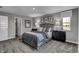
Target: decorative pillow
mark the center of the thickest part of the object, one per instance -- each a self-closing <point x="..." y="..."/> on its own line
<point x="49" y="34"/>
<point x="44" y="29"/>
<point x="50" y="29"/>
<point x="40" y="29"/>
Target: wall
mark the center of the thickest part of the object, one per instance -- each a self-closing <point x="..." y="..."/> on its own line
<point x="23" y="25"/>
<point x="34" y="21"/>
<point x="42" y="19"/>
<point x="78" y="29"/>
<point x="72" y="36"/>
<point x="57" y="17"/>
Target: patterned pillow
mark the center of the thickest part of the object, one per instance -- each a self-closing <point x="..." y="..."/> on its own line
<point x="44" y="29"/>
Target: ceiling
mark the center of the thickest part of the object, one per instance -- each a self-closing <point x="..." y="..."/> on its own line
<point x="34" y="11"/>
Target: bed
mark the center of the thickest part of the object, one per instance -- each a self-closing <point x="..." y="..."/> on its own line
<point x="35" y="39"/>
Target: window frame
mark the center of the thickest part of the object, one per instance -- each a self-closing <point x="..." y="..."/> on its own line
<point x="66" y="25"/>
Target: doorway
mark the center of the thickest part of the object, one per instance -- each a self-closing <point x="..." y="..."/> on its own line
<point x="16" y="27"/>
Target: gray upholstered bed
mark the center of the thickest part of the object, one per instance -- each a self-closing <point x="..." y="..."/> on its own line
<point x="40" y="37"/>
<point x="35" y="39"/>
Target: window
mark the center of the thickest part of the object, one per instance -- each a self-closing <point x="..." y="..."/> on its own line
<point x="66" y="23"/>
<point x="58" y="22"/>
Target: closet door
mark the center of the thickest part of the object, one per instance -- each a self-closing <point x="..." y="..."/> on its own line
<point x="3" y="28"/>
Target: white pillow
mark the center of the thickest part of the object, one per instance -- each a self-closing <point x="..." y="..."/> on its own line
<point x="40" y="29"/>
<point x="49" y="29"/>
<point x="49" y="34"/>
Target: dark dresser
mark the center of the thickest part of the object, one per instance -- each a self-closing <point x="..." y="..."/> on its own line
<point x="59" y="35"/>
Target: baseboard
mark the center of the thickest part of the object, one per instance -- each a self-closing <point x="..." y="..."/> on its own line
<point x="72" y="42"/>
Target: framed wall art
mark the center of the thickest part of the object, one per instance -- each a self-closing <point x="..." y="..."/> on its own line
<point x="27" y="23"/>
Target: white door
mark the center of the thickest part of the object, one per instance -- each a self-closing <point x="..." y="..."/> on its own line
<point x="3" y="28"/>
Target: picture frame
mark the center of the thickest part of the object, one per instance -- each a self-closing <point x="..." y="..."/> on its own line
<point x="27" y="23"/>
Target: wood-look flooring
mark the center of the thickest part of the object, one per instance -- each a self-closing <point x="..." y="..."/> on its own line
<point x="16" y="46"/>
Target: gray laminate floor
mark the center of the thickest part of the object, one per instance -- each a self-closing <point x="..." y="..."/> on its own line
<point x="16" y="46"/>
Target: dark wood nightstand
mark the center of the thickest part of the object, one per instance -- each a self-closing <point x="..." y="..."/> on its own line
<point x="59" y="35"/>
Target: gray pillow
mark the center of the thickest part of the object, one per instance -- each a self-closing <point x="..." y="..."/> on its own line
<point x="43" y="30"/>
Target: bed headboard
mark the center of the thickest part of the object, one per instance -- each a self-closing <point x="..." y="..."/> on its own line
<point x="46" y="26"/>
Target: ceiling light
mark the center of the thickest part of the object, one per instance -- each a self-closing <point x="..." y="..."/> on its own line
<point x="33" y="8"/>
